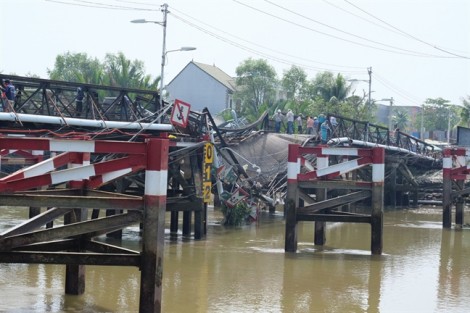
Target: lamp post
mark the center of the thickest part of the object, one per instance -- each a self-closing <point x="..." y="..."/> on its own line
<point x="421" y="131"/>
<point x="163" y="23"/>
<point x="389" y="112"/>
<point x="162" y="85"/>
<point x="369" y="82"/>
<point x="164" y="51"/>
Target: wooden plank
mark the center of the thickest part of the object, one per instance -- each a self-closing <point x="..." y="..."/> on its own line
<point x="334" y="202"/>
<point x="35" y="222"/>
<point x="131" y="203"/>
<point x="334" y="218"/>
<point x="184" y="206"/>
<point x="340" y="184"/>
<point x="71" y="258"/>
<point x="462" y="192"/>
<point x="101" y="247"/>
<point x="76" y="229"/>
<point x="51" y="246"/>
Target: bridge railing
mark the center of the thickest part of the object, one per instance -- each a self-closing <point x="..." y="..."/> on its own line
<point x="373" y="133"/>
<point x="69" y="99"/>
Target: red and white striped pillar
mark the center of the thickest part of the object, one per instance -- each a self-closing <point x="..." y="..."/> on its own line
<point x="75" y="273"/>
<point x="447" y="188"/>
<point x="323" y="161"/>
<point x="153" y="237"/>
<point x="292" y="201"/>
<point x="378" y="183"/>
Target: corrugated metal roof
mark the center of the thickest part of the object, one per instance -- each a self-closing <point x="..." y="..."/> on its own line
<point x="217" y="74"/>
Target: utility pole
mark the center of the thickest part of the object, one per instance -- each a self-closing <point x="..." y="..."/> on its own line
<point x="369" y="70"/>
<point x="164" y="24"/>
<point x="448" y="126"/>
<point x="421" y="132"/>
<point x="390" y="115"/>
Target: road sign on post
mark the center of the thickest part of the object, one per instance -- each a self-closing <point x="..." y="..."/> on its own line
<point x="180" y="113"/>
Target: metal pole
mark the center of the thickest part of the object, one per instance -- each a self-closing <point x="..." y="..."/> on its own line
<point x="421" y="132"/>
<point x="448" y="126"/>
<point x="369" y="70"/>
<point x="164" y="23"/>
<point x="390" y="115"/>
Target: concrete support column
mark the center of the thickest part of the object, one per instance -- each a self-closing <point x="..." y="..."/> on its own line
<point x="292" y="199"/>
<point x="447" y="189"/>
<point x="323" y="161"/>
<point x="378" y="182"/>
<point x="153" y="236"/>
<point x="75" y="273"/>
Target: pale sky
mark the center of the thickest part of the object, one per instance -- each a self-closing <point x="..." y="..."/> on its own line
<point x="417" y="49"/>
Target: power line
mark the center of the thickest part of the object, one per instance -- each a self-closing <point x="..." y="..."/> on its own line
<point x="362" y="18"/>
<point x="251" y="50"/>
<point x="404" y="94"/>
<point x="412" y="53"/>
<point x="407" y="34"/>
<point x="342" y="31"/>
<point x="264" y="47"/>
<point x="98" y="5"/>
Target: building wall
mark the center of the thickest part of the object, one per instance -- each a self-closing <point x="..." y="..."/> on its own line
<point x="199" y="89"/>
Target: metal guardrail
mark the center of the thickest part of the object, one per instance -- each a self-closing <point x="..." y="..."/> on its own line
<point x="68" y="99"/>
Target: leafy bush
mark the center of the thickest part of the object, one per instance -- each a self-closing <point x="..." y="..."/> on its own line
<point x="237" y="215"/>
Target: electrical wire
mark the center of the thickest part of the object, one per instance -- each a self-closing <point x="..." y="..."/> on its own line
<point x="401" y="92"/>
<point x="405" y="52"/>
<point x="407" y="34"/>
<point x="258" y="45"/>
<point x="97" y="5"/>
<point x="345" y="32"/>
<point x="251" y="50"/>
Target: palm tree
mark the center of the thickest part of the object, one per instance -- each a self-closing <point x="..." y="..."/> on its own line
<point x="123" y="72"/>
<point x="401" y="119"/>
<point x="331" y="88"/>
<point x="465" y="112"/>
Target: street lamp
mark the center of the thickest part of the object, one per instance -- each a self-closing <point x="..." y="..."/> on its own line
<point x="163" y="65"/>
<point x="141" y="21"/>
<point x="369" y="82"/>
<point x="389" y="112"/>
<point x="164" y="51"/>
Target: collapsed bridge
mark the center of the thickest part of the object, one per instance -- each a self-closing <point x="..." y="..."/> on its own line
<point x="89" y="160"/>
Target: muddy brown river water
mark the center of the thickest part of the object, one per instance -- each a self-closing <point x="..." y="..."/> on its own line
<point x="423" y="269"/>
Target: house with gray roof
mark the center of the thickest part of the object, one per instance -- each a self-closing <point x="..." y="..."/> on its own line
<point x="202" y="85"/>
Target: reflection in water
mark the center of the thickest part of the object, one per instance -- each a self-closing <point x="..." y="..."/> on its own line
<point x="423" y="269"/>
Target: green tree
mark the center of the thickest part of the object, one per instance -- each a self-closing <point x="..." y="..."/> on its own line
<point x="330" y="93"/>
<point x="400" y="119"/>
<point x="77" y="67"/>
<point x="330" y="87"/>
<point x="356" y="107"/>
<point x="294" y="82"/>
<point x="436" y="114"/>
<point x="256" y="84"/>
<point x="116" y="70"/>
<point x="465" y="112"/>
<point x="122" y="72"/>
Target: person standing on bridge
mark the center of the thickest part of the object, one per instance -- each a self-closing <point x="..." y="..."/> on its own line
<point x="79" y="101"/>
<point x="309" y="125"/>
<point x="8" y="95"/>
<point x="299" y="124"/>
<point x="324" y="130"/>
<point x="290" y="122"/>
<point x="278" y="117"/>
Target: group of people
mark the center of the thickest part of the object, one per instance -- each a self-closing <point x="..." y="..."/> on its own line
<point x="318" y="127"/>
<point x="8" y="95"/>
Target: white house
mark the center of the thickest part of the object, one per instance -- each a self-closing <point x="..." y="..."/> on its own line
<point x="202" y="85"/>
